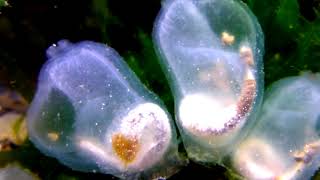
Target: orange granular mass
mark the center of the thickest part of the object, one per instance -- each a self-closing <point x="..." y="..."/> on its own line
<point x="126" y="148"/>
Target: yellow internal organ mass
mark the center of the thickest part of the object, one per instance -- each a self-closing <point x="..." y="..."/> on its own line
<point x="126" y="148"/>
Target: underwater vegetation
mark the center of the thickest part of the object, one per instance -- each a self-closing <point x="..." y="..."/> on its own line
<point x="88" y="100"/>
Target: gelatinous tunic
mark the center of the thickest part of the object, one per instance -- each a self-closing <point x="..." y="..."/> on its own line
<point x="212" y="52"/>
<point x="92" y="113"/>
<point x="285" y="143"/>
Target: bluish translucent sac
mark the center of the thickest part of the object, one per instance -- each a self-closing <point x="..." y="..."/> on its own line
<point x="285" y="143"/>
<point x="93" y="114"/>
<point x="211" y="51"/>
<point x="16" y="172"/>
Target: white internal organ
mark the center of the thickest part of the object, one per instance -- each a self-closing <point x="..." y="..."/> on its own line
<point x="149" y="125"/>
<point x="255" y="159"/>
<point x="203" y="112"/>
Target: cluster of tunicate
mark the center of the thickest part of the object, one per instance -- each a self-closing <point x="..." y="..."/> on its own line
<point x="92" y="113"/>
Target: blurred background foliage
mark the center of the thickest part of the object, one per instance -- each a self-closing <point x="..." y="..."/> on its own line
<point x="29" y="27"/>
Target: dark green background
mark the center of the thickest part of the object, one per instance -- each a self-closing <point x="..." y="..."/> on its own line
<point x="28" y="27"/>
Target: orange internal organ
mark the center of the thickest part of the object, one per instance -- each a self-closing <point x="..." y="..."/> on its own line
<point x="125" y="147"/>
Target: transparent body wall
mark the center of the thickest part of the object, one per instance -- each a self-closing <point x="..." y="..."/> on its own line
<point x="92" y="113"/>
<point x="212" y="52"/>
<point x="285" y="143"/>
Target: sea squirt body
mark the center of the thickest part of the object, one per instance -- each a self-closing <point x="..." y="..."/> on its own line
<point x="285" y="143"/>
<point x="92" y="113"/>
<point x="211" y="51"/>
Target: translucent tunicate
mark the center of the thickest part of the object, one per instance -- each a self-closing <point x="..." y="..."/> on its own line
<point x="285" y="143"/>
<point x="93" y="114"/>
<point x="16" y="172"/>
<point x="211" y="51"/>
